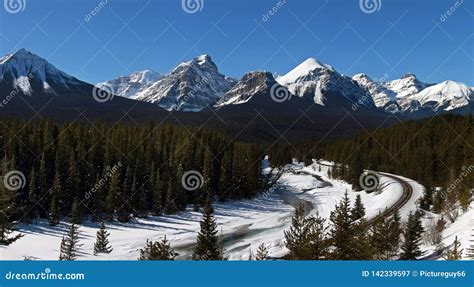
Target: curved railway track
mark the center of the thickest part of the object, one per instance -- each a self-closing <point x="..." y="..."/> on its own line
<point x="406" y="195"/>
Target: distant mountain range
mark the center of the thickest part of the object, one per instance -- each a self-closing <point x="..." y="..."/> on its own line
<point x="306" y="102"/>
<point x="197" y="84"/>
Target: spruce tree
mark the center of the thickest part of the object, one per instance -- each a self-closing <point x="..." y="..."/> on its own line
<point x="394" y="234"/>
<point x="33" y="197"/>
<point x="68" y="248"/>
<point x="157" y="194"/>
<point x="385" y="237"/>
<point x="359" y="210"/>
<point x="342" y="233"/>
<point x="7" y="208"/>
<point x="470" y="250"/>
<point x="306" y="239"/>
<point x="76" y="214"/>
<point x="412" y="237"/>
<point x="262" y="252"/>
<point x="55" y="201"/>
<point x="101" y="244"/>
<point x="207" y="247"/>
<point x="454" y="253"/>
<point x="113" y="190"/>
<point x="156" y="250"/>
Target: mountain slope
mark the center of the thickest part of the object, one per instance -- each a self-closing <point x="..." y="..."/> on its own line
<point x="384" y="98"/>
<point x="251" y="84"/>
<point x="410" y="95"/>
<point x="31" y="87"/>
<point x="324" y="85"/>
<point x="445" y="96"/>
<point x="129" y="86"/>
<point x="28" y="73"/>
<point x="191" y="86"/>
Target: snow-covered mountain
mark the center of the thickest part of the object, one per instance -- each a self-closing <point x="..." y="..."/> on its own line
<point x="445" y="96"/>
<point x="191" y="86"/>
<point x="250" y="85"/>
<point x="324" y="85"/>
<point x="129" y="86"/>
<point x="384" y="98"/>
<point x="406" y="86"/>
<point x="197" y="84"/>
<point x="408" y="94"/>
<point x="29" y="74"/>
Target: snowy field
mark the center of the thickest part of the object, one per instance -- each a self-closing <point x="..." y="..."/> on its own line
<point x="243" y="225"/>
<point x="463" y="228"/>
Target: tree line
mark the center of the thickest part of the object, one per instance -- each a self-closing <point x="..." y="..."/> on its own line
<point x="101" y="172"/>
<point x="437" y="152"/>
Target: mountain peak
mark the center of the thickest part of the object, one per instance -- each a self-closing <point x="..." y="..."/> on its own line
<point x="312" y="63"/>
<point x="30" y="73"/>
<point x="361" y="76"/>
<point x="306" y="67"/>
<point x="204" y="58"/>
<point x="251" y="84"/>
<point x="408" y="75"/>
<point x="191" y="86"/>
<point x="20" y="54"/>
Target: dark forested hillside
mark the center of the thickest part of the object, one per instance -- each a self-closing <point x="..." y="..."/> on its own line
<point x="102" y="171"/>
<point x="437" y="152"/>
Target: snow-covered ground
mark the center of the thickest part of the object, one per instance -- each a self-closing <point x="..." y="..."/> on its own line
<point x="462" y="227"/>
<point x="243" y="224"/>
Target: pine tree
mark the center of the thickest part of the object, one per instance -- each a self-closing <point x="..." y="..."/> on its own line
<point x="101" y="244"/>
<point x="157" y="251"/>
<point x="68" y="248"/>
<point x="306" y="239"/>
<point x="113" y="190"/>
<point x="455" y="253"/>
<point x="359" y="210"/>
<point x="76" y="214"/>
<point x="7" y="208"/>
<point x="207" y="247"/>
<point x="470" y="250"/>
<point x="33" y="197"/>
<point x="427" y="200"/>
<point x="385" y="237"/>
<point x="262" y="252"/>
<point x="55" y="201"/>
<point x="412" y="237"/>
<point x="394" y="234"/>
<point x="342" y="232"/>
<point x="157" y="194"/>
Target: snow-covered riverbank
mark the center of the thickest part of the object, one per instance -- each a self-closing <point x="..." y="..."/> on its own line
<point x="243" y="224"/>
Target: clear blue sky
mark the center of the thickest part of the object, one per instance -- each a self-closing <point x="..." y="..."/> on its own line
<point x="128" y="35"/>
